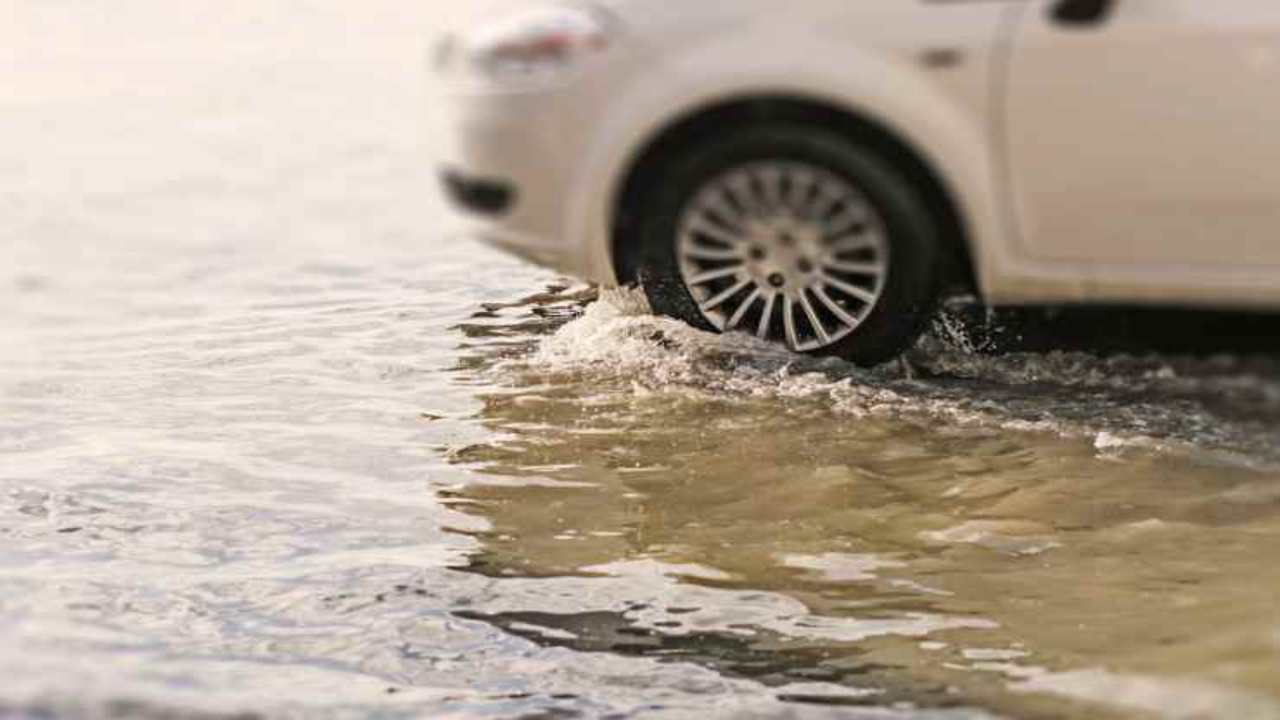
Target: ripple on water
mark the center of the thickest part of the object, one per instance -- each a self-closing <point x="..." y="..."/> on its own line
<point x="1208" y="407"/>
<point x="985" y="525"/>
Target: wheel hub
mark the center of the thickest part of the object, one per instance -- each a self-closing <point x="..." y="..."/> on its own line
<point x="784" y="255"/>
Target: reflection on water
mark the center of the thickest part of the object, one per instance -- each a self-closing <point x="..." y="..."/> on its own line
<point x="839" y="535"/>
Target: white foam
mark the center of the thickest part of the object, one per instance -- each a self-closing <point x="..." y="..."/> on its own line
<point x="1068" y="394"/>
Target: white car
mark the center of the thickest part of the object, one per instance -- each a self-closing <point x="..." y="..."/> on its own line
<point x="820" y="172"/>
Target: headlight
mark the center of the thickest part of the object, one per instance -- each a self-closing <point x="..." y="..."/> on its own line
<point x="529" y="45"/>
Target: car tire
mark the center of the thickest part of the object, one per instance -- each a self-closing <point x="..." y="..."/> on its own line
<point x="699" y="188"/>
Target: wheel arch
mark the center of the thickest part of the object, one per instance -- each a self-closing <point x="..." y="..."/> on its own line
<point x="697" y="124"/>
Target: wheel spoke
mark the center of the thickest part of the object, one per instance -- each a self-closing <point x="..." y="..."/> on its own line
<point x="845" y="220"/>
<point x="829" y="194"/>
<point x="719" y="203"/>
<point x="720" y="299"/>
<point x="706" y="227"/>
<point x="740" y="188"/>
<point x="854" y="291"/>
<point x="821" y="331"/>
<point x="855" y="241"/>
<point x="743" y="309"/>
<point x="771" y="184"/>
<point x="702" y="252"/>
<point x="841" y="314"/>
<point x="855" y="268"/>
<point x="802" y="182"/>
<point x="712" y="275"/>
<point x="789" y="322"/>
<point x="766" y="318"/>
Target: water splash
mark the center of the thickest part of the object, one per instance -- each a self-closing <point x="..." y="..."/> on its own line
<point x="1223" y="407"/>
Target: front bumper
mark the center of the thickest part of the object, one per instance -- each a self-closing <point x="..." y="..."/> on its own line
<point x="513" y="165"/>
<point x="478" y="196"/>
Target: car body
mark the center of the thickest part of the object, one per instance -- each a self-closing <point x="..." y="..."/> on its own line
<point x="1070" y="151"/>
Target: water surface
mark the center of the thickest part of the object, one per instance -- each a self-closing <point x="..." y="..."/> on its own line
<point x="273" y="442"/>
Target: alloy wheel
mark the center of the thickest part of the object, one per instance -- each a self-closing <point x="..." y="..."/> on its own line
<point x="785" y="250"/>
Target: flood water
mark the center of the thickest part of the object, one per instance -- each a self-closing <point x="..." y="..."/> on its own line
<point x="274" y="442"/>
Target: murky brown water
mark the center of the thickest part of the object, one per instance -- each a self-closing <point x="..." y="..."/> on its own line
<point x="857" y="528"/>
<point x="271" y="443"/>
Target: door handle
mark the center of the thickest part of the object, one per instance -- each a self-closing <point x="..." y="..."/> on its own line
<point x="1083" y="12"/>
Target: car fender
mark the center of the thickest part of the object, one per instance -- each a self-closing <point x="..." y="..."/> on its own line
<point x="890" y="89"/>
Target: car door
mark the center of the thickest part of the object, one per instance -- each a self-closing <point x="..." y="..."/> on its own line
<point x="1145" y="135"/>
